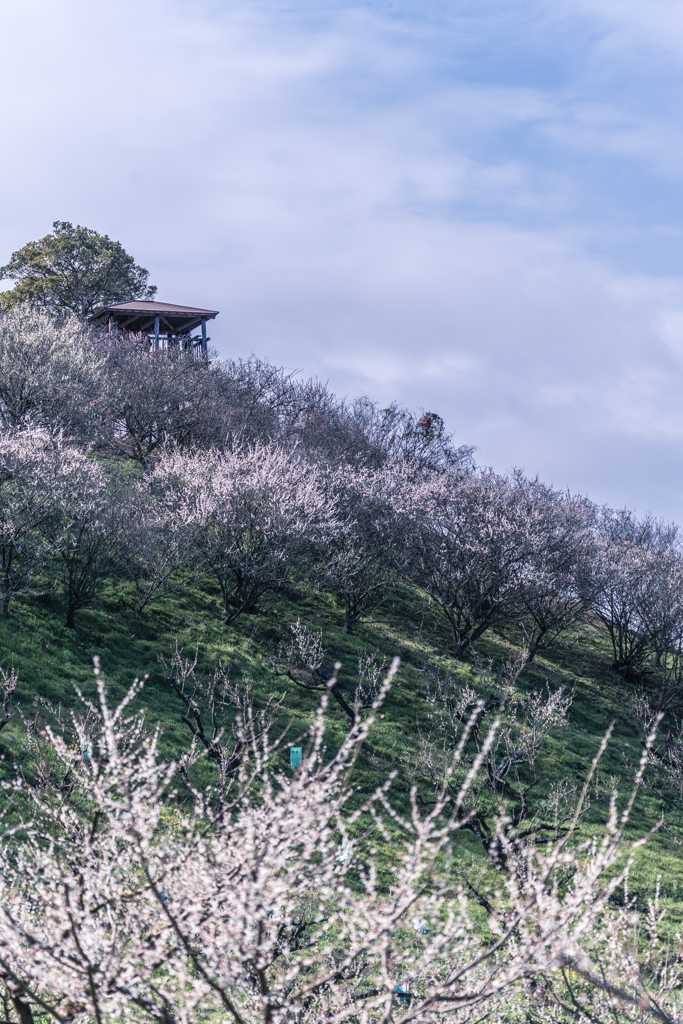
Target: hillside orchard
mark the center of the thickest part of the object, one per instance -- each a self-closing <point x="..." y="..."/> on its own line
<point x="217" y="886"/>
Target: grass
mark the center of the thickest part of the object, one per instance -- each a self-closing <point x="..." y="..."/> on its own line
<point x="50" y="659"/>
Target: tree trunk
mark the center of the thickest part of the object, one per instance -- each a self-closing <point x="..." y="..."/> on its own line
<point x="7" y="559"/>
<point x="349" y="614"/>
<point x="459" y="641"/>
<point x="533" y="646"/>
<point x="23" y="1008"/>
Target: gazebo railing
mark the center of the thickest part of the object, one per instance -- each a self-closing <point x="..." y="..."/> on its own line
<point x="197" y="346"/>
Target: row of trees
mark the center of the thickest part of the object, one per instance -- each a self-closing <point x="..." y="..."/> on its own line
<point x="489" y="551"/>
<point x="118" y="459"/>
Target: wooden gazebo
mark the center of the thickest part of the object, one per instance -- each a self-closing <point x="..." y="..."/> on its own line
<point x="165" y="324"/>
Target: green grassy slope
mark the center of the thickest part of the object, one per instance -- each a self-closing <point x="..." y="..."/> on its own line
<point x="50" y="658"/>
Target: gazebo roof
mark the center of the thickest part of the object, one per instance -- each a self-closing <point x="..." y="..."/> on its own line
<point x="138" y="315"/>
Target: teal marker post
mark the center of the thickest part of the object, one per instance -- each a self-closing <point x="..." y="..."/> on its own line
<point x="295" y="757"/>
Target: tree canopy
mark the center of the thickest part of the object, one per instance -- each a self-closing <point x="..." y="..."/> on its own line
<point x="73" y="269"/>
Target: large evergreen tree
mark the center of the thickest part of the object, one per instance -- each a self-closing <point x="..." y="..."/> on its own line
<point x="74" y="269"/>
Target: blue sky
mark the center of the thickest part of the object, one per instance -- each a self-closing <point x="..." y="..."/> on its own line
<point x="475" y="208"/>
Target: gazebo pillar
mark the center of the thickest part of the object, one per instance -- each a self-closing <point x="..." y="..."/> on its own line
<point x="204" y="349"/>
<point x="156" y="333"/>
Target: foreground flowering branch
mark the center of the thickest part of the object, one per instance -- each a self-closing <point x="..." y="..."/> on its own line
<point x="295" y="901"/>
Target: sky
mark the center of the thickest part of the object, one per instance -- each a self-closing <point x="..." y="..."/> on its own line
<point x="475" y="208"/>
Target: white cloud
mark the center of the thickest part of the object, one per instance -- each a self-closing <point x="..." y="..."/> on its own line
<point x="640" y="24"/>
